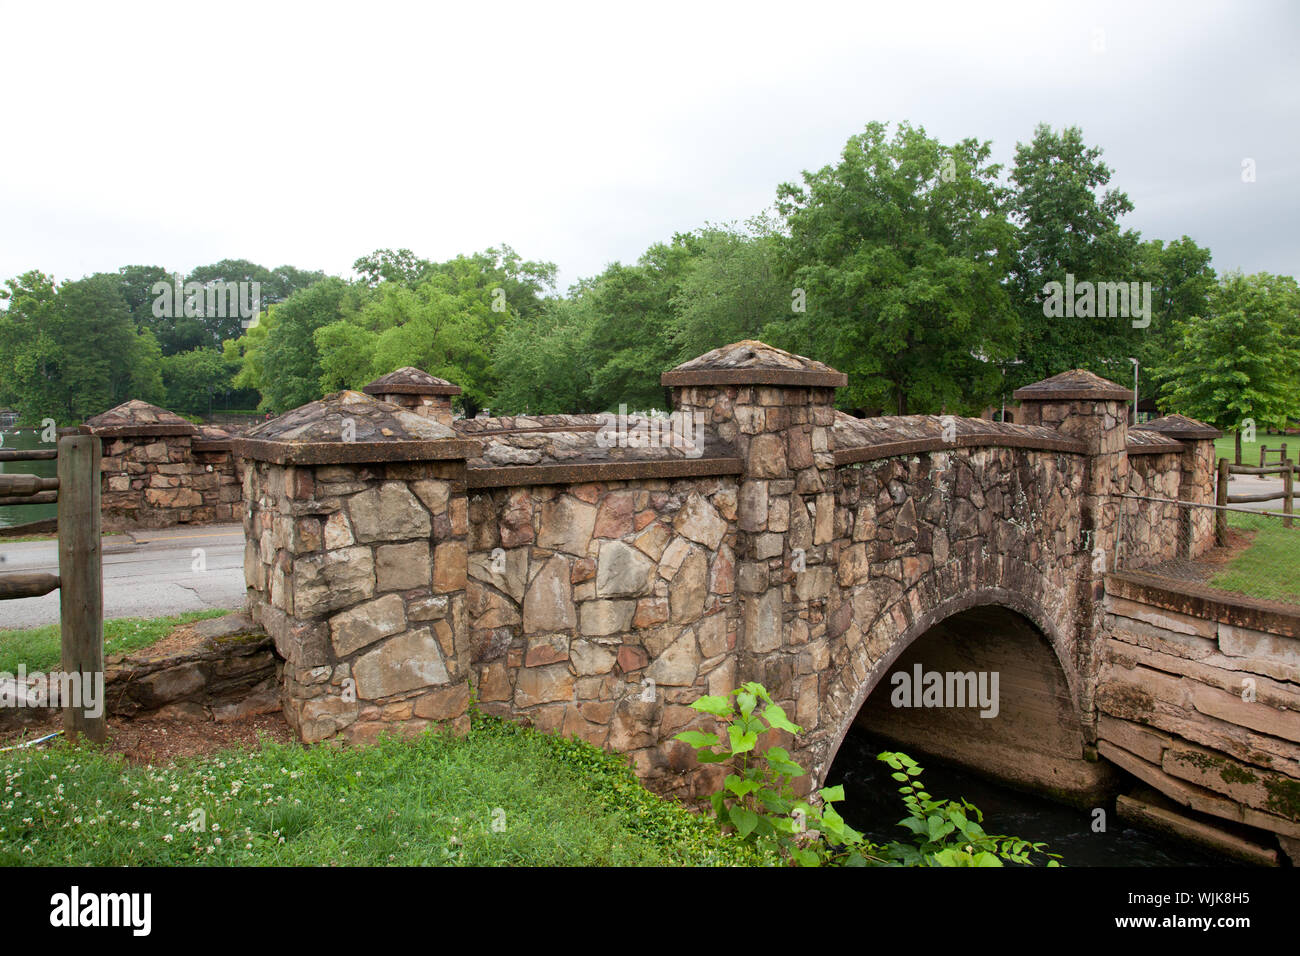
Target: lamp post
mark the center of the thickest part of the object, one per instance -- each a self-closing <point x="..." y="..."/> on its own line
<point x="1135" y="389"/>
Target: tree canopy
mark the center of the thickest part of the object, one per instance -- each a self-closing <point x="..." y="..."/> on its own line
<point x="921" y="268"/>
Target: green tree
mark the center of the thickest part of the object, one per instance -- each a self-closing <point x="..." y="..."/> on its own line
<point x="386" y="265"/>
<point x="27" y="344"/>
<point x="71" y="352"/>
<point x="1181" y="281"/>
<point x="543" y="363"/>
<point x="1241" y="360"/>
<point x="901" y="250"/>
<point x="193" y="379"/>
<point x="631" y="344"/>
<point x="731" y="289"/>
<point x="287" y="368"/>
<point x="1067" y="228"/>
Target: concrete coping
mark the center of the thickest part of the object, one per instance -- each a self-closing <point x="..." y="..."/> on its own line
<point x="1152" y="443"/>
<point x="357" y="452"/>
<point x="870" y="439"/>
<point x="519" y="476"/>
<point x="1075" y="384"/>
<point x="754" y="363"/>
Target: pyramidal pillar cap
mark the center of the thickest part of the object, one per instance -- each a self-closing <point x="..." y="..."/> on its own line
<point x="754" y="363"/>
<point x="1076" y="384"/>
<point x="411" y="381"/>
<point x="352" y="427"/>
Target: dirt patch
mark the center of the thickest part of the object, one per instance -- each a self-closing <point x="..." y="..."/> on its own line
<point x="181" y="641"/>
<point x="161" y="740"/>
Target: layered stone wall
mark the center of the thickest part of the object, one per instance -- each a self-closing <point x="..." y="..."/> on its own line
<point x="1149" y="527"/>
<point x="1200" y="699"/>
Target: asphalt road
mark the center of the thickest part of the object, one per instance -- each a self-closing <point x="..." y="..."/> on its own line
<point x="146" y="573"/>
<point x="1256" y="485"/>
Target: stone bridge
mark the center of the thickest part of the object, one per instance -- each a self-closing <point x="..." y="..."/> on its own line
<point x="594" y="578"/>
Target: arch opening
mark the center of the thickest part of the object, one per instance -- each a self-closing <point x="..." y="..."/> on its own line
<point x="983" y="689"/>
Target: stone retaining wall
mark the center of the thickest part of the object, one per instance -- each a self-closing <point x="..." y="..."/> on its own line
<point x="1200" y="698"/>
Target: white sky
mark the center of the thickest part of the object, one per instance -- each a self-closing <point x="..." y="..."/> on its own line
<point x="178" y="134"/>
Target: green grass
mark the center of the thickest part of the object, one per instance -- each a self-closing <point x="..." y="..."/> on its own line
<point x="501" y="795"/>
<point x="45" y="537"/>
<point x="1225" y="446"/>
<point x="1270" y="567"/>
<point x="38" y="647"/>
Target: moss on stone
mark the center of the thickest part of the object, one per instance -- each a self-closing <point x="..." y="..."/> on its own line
<point x="1283" y="797"/>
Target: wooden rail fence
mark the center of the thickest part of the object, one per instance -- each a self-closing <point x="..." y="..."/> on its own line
<point x="80" y="580"/>
<point x="1286" y="468"/>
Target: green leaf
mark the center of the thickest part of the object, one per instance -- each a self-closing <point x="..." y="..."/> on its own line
<point x="775" y="715"/>
<point x="832" y="794"/>
<point x="697" y="738"/>
<point x="741" y="742"/>
<point x="717" y="706"/>
<point x="746" y="702"/>
<point x="744" y="820"/>
<point x="805" y="857"/>
<point x="779" y="761"/>
<point x="739" y="786"/>
<point x="708" y="756"/>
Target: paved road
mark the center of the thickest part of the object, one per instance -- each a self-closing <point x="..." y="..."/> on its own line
<point x="146" y="573"/>
<point x="1256" y="485"/>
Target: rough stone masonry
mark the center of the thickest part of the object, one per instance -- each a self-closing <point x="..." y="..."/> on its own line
<point x="598" y="591"/>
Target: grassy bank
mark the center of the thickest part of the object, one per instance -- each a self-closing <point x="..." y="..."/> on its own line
<point x="501" y="795"/>
<point x="38" y="647"/>
<point x="1270" y="567"/>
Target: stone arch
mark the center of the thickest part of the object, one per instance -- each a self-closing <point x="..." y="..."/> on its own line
<point x="999" y="581"/>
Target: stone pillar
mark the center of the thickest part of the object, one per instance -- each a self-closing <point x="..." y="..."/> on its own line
<point x="1195" y="481"/>
<point x="1092" y="410"/>
<point x="150" y="477"/>
<point x="355" y="559"/>
<point x="777" y="410"/>
<point x="416" y="391"/>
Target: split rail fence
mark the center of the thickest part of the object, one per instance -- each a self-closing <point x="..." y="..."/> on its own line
<point x="80" y="581"/>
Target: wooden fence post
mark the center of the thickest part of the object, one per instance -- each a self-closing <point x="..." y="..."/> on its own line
<point x="1288" y="489"/>
<point x="1221" y="499"/>
<point x="81" y="576"/>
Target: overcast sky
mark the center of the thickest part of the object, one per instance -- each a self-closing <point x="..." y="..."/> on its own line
<point x="181" y="134"/>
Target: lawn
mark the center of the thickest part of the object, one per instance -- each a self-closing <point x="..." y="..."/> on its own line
<point x="501" y="795"/>
<point x="1225" y="446"/>
<point x="1270" y="567"/>
<point x="38" y="647"/>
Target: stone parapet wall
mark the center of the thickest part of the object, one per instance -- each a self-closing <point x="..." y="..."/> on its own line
<point x="160" y="481"/>
<point x="160" y="470"/>
<point x="602" y="610"/>
<point x="358" y="573"/>
<point x="1147" y="525"/>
